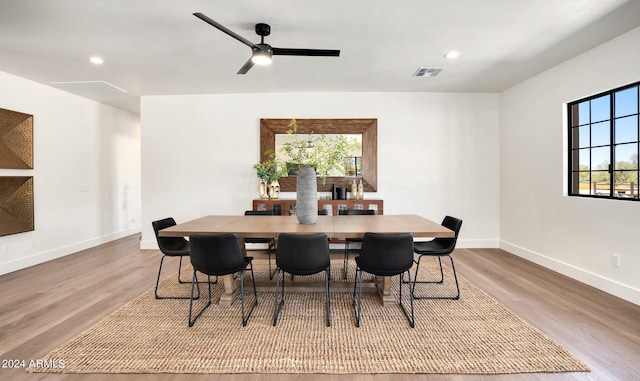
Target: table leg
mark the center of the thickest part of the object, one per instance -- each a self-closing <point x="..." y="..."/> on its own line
<point x="229" y="290"/>
<point x="229" y="283"/>
<point x="383" y="284"/>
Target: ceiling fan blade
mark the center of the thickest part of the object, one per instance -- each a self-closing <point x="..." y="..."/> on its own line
<point x="224" y="29"/>
<point x="245" y="68"/>
<point x="306" y="52"/>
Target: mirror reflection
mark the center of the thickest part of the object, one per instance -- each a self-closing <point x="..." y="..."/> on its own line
<point x="353" y="163"/>
<point x="365" y="130"/>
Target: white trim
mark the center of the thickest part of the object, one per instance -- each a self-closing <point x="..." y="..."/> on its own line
<point x="62" y="251"/>
<point x="610" y="286"/>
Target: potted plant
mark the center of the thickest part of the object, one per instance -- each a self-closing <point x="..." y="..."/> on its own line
<point x="268" y="173"/>
<point x="313" y="156"/>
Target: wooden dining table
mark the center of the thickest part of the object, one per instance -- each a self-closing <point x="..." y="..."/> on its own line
<point x="335" y="227"/>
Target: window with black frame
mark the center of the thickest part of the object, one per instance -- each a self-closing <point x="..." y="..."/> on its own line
<point x="604" y="141"/>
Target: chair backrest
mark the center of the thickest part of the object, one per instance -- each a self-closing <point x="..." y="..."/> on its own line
<point x="216" y="254"/>
<point x="258" y="213"/>
<point x="358" y="212"/>
<point x="302" y="254"/>
<point x="386" y="254"/>
<point x="454" y="224"/>
<point x="168" y="244"/>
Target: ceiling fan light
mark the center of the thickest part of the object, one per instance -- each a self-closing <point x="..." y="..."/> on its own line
<point x="261" y="57"/>
<point x="261" y="60"/>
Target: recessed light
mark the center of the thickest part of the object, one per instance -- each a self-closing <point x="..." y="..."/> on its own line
<point x="96" y="60"/>
<point x="452" y="55"/>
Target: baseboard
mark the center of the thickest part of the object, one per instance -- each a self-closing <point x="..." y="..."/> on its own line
<point x="45" y="256"/>
<point x="607" y="285"/>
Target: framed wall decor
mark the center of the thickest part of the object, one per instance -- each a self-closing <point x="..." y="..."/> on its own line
<point x="367" y="163"/>
<point x="16" y="140"/>
<point x="16" y="204"/>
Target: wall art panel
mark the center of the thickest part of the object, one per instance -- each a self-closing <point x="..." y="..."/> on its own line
<point x="16" y="140"/>
<point x="16" y="204"/>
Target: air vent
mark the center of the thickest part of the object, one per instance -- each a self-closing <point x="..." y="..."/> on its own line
<point x="88" y="87"/>
<point x="428" y="71"/>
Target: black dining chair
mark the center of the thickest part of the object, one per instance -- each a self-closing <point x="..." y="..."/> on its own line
<point x="384" y="255"/>
<point x="438" y="247"/>
<point x="301" y="254"/>
<point x="219" y="255"/>
<point x="170" y="247"/>
<point x="347" y="241"/>
<point x="270" y="242"/>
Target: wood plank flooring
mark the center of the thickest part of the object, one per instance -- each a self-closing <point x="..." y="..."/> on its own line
<point x="43" y="306"/>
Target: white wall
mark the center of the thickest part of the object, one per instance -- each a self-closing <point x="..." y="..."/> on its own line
<point x="574" y="236"/>
<point x="437" y="153"/>
<point x="76" y="141"/>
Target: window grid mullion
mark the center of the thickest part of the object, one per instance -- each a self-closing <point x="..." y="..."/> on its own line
<point x="612" y="143"/>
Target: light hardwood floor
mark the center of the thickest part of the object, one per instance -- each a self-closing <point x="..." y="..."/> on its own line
<point x="43" y="306"/>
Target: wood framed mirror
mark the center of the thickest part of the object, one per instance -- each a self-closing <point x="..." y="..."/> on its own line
<point x="368" y="128"/>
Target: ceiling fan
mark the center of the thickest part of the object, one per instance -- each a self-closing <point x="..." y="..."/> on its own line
<point x="261" y="53"/>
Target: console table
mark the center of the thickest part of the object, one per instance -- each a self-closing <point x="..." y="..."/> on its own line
<point x="285" y="204"/>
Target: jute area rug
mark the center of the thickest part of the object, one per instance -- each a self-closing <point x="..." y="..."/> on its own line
<point x="473" y="335"/>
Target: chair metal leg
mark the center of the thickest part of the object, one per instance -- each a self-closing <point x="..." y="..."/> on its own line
<point x="179" y="281"/>
<point x="278" y="303"/>
<point x="272" y="247"/>
<point x="358" y="307"/>
<point x="327" y="276"/>
<point x="455" y="276"/>
<point x="277" y="307"/>
<point x="431" y="281"/>
<point x="214" y="282"/>
<point x="415" y="277"/>
<point x="355" y="283"/>
<point x="193" y="284"/>
<point x="245" y="320"/>
<point x="158" y="278"/>
<point x="357" y="302"/>
<point x="179" y="270"/>
<point x="158" y="283"/>
<point x="411" y="318"/>
<point x="346" y="257"/>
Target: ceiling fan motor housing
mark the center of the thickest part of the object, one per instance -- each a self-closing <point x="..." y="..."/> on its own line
<point x="263" y="49"/>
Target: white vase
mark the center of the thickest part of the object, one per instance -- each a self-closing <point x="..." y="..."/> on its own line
<point x="274" y="190"/>
<point x="307" y="196"/>
<point x="264" y="189"/>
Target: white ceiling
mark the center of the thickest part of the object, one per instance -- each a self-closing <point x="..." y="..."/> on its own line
<point x="157" y="47"/>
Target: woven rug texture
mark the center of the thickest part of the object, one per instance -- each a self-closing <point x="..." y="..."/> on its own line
<point x="472" y="335"/>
